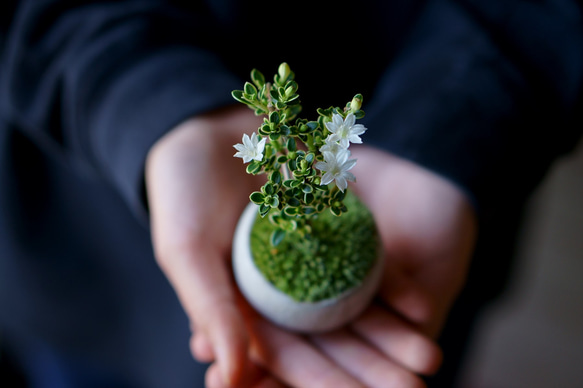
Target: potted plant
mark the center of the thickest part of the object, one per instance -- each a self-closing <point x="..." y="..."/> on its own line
<point x="306" y="251"/>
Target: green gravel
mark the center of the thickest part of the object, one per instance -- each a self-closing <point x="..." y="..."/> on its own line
<point x="337" y="256"/>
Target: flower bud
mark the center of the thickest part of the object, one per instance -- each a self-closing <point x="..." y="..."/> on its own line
<point x="283" y="71"/>
<point x="356" y="103"/>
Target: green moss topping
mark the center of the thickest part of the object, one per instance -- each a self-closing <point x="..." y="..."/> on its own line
<point x="336" y="256"/>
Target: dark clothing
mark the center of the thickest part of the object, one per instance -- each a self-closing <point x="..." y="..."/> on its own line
<point x="485" y="93"/>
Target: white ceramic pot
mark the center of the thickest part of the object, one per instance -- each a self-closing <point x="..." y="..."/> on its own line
<point x="281" y="309"/>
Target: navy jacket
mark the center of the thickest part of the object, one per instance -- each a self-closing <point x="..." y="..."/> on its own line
<point x="486" y="93"/>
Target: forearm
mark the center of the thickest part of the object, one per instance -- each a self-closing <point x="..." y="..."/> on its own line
<point x="98" y="83"/>
<point x="455" y="101"/>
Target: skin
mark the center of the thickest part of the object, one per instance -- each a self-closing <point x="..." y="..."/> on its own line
<point x="196" y="192"/>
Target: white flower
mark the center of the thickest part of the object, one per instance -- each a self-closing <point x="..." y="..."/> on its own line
<point x="345" y="131"/>
<point x="331" y="146"/>
<point x="336" y="168"/>
<point x="251" y="149"/>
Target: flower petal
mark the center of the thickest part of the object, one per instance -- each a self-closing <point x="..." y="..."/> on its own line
<point x="331" y="126"/>
<point x="261" y="145"/>
<point x="358" y="129"/>
<point x="341" y="183"/>
<point x="349" y="176"/>
<point x="240" y="147"/>
<point x="247" y="141"/>
<point x="323" y="166"/>
<point x="326" y="179"/>
<point x="350" y="119"/>
<point x="329" y="157"/>
<point x="348" y="165"/>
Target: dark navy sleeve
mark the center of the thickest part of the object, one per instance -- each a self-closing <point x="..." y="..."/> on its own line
<point x="486" y="94"/>
<point x="97" y="83"/>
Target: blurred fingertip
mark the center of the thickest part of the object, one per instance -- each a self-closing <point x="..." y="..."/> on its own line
<point x="232" y="355"/>
<point x="432" y="361"/>
<point x="201" y="348"/>
<point x="214" y="378"/>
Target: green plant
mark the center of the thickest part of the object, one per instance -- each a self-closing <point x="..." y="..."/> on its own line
<point x="305" y="252"/>
<point x="300" y="158"/>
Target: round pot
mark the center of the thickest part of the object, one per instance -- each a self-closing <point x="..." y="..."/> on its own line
<point x="278" y="307"/>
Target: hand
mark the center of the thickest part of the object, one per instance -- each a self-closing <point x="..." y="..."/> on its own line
<point x="196" y="192"/>
<point x="196" y="195"/>
<point x="428" y="231"/>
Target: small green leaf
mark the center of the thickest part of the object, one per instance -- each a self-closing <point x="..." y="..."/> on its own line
<point x="309" y="210"/>
<point x="253" y="168"/>
<point x="258" y="78"/>
<point x="257" y="197"/>
<point x="268" y="189"/>
<point x="284" y="129"/>
<point x="291" y="87"/>
<point x="293" y="202"/>
<point x="291" y="225"/>
<point x="263" y="210"/>
<point x="238" y="95"/>
<point x="277" y="236"/>
<point x="275" y="177"/>
<point x="295" y="99"/>
<point x="264" y="130"/>
<point x="250" y="88"/>
<point x="291" y="144"/>
<point x="274" y="94"/>
<point x="273" y="201"/>
<point x="339" y="195"/>
<point x="274" y="117"/>
<point x="262" y="92"/>
<point x="336" y="211"/>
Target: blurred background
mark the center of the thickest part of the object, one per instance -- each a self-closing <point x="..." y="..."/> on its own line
<point x="533" y="336"/>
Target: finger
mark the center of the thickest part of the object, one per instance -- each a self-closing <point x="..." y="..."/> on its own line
<point x="201" y="348"/>
<point x="203" y="286"/>
<point x="255" y="377"/>
<point x="364" y="362"/>
<point x="295" y="361"/>
<point x="398" y="340"/>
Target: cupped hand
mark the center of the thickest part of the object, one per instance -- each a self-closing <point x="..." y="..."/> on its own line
<point x="196" y="191"/>
<point x="428" y="229"/>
